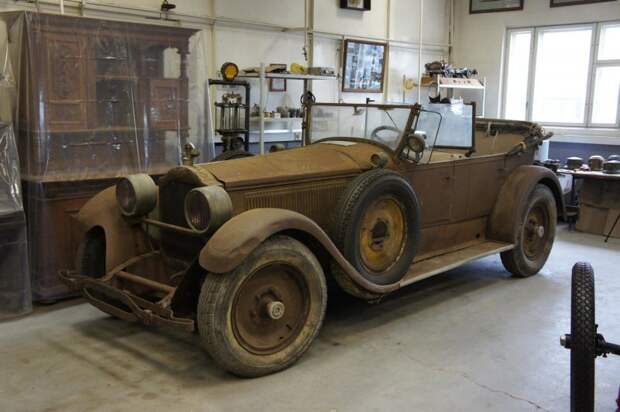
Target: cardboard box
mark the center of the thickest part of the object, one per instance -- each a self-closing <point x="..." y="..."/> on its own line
<point x="598" y="220"/>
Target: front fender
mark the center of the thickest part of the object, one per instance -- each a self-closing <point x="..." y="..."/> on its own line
<point x="123" y="240"/>
<point x="505" y="217"/>
<point x="239" y="236"/>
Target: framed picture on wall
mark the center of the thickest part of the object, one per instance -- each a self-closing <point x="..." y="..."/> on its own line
<point x="362" y="5"/>
<point x="363" y="66"/>
<point x="560" y="3"/>
<point x="277" y="85"/>
<point x="491" y="6"/>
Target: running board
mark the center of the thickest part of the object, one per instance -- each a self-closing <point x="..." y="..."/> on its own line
<point x="442" y="263"/>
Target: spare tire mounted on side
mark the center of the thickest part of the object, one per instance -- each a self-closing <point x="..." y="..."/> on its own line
<point x="376" y="225"/>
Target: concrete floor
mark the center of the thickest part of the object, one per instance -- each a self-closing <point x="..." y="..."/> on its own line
<point x="471" y="339"/>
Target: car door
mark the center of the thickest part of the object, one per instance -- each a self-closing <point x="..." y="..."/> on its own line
<point x="434" y="186"/>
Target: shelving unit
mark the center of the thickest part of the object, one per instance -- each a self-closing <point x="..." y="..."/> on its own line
<point x="450" y="84"/>
<point x="262" y="76"/>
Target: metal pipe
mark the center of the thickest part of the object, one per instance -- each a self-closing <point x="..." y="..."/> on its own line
<point x="145" y="282"/>
<point x="62" y="6"/>
<point x="173" y="228"/>
<point x="261" y="136"/>
<point x="420" y="52"/>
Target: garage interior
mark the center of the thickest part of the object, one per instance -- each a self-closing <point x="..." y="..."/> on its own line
<point x="95" y="92"/>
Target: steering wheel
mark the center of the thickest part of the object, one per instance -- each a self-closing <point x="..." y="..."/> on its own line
<point x="375" y="133"/>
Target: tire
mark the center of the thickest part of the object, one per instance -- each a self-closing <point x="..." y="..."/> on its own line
<point x="535" y="234"/>
<point x="376" y="226"/>
<point x="90" y="257"/>
<point x="582" y="339"/>
<point x="232" y="154"/>
<point x="237" y="325"/>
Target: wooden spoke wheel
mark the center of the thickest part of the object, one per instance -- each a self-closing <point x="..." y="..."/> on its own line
<point x="264" y="315"/>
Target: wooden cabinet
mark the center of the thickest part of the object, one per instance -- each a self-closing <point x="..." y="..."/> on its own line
<point x="97" y="100"/>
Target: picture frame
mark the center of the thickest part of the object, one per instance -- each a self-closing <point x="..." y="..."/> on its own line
<point x="277" y="85"/>
<point x="494" y="6"/>
<point x="562" y="3"/>
<point x="363" y="66"/>
<point x="361" y="5"/>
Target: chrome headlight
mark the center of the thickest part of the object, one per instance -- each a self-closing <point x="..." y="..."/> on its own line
<point x="207" y="208"/>
<point x="136" y="195"/>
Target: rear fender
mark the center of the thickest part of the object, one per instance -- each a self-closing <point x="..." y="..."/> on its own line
<point x="123" y="240"/>
<point x="239" y="236"/>
<point x="505" y="217"/>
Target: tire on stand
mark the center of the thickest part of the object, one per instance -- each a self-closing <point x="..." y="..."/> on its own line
<point x="262" y="317"/>
<point x="583" y="339"/>
<point x="535" y="234"/>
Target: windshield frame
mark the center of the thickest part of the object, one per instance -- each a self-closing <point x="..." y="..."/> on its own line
<point x="413" y="113"/>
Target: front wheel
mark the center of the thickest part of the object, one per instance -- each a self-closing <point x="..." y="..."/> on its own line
<point x="264" y="315"/>
<point x="535" y="234"/>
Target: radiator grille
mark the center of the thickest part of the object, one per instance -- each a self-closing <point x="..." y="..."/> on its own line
<point x="315" y="200"/>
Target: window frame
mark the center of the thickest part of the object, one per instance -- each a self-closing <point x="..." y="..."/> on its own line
<point x="593" y="64"/>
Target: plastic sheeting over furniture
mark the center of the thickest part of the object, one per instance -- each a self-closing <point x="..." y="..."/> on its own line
<point x="15" y="296"/>
<point x="95" y="100"/>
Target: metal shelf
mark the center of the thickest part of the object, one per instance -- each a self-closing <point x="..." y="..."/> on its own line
<point x="289" y="76"/>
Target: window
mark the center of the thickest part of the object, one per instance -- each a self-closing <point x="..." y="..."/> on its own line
<point x="518" y="75"/>
<point x="564" y="75"/>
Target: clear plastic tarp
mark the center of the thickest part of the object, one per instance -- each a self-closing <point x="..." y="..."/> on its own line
<point x="15" y="294"/>
<point x="95" y="100"/>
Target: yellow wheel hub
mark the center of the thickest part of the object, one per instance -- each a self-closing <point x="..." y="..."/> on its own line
<point x="383" y="234"/>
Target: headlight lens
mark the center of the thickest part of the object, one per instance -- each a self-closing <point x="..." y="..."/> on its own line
<point x="136" y="195"/>
<point x="207" y="208"/>
<point x="197" y="211"/>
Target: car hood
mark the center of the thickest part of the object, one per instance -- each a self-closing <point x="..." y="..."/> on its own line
<point x="315" y="161"/>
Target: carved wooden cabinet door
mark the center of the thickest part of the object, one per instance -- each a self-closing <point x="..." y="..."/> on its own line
<point x="67" y="97"/>
<point x="164" y="103"/>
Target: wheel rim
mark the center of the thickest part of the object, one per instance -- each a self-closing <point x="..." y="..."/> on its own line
<point x="383" y="234"/>
<point x="536" y="231"/>
<point x="270" y="308"/>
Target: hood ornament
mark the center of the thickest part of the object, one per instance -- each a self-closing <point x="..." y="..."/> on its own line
<point x="189" y="154"/>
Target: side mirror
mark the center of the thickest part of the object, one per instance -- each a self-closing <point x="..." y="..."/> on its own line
<point x="416" y="142"/>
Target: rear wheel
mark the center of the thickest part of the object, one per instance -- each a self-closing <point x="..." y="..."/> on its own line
<point x="535" y="234"/>
<point x="582" y="339"/>
<point x="264" y="315"/>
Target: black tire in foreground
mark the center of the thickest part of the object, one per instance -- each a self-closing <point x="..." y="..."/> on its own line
<point x="90" y="257"/>
<point x="535" y="234"/>
<point x="377" y="227"/>
<point x="263" y="316"/>
<point x="582" y="339"/>
<point x="232" y="154"/>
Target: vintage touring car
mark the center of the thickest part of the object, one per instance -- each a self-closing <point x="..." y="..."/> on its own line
<point x="240" y="250"/>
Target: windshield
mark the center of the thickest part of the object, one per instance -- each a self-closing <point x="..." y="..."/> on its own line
<point x="383" y="124"/>
<point x="446" y="125"/>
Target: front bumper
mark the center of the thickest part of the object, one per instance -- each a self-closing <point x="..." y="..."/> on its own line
<point x="125" y="305"/>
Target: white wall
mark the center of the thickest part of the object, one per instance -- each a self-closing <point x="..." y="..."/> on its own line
<point x="479" y="38"/>
<point x="396" y="20"/>
<point x="250" y="47"/>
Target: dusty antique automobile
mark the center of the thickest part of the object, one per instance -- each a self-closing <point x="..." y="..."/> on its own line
<point x="240" y="251"/>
